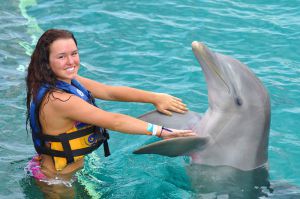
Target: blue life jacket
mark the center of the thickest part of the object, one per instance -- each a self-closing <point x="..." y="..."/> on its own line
<point x="39" y="139"/>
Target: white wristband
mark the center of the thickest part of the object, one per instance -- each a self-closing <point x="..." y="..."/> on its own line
<point x="154" y="130"/>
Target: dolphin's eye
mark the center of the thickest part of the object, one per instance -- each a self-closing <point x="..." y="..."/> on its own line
<point x="238" y="101"/>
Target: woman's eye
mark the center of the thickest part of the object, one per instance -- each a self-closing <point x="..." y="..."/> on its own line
<point x="74" y="53"/>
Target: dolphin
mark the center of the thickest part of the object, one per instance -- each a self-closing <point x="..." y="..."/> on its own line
<point x="234" y="131"/>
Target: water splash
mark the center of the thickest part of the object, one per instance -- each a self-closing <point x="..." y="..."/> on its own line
<point x="33" y="29"/>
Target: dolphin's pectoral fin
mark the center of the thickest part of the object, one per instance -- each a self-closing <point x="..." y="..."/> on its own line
<point x="174" y="147"/>
<point x="177" y="121"/>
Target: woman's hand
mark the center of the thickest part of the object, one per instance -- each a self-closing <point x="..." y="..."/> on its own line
<point x="166" y="133"/>
<point x="165" y="103"/>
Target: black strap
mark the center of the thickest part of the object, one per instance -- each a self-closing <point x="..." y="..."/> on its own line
<point x="51" y="152"/>
<point x="70" y="136"/>
<point x="66" y="147"/>
<point x="105" y="143"/>
<point x="87" y="150"/>
<point x="105" y="135"/>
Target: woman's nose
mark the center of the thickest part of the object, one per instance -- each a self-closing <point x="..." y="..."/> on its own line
<point x="70" y="60"/>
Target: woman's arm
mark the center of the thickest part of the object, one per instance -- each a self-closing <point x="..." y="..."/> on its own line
<point x="163" y="102"/>
<point x="76" y="109"/>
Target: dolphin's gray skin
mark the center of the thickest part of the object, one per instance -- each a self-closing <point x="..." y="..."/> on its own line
<point x="237" y="120"/>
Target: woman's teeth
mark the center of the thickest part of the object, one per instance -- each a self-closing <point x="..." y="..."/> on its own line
<point x="70" y="69"/>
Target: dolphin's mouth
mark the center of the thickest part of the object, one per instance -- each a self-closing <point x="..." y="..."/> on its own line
<point x="205" y="56"/>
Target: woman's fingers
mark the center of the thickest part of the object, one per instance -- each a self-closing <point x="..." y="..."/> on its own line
<point x="166" y="112"/>
<point x="177" y="99"/>
<point x="180" y="106"/>
<point x="177" y="133"/>
<point x="167" y="104"/>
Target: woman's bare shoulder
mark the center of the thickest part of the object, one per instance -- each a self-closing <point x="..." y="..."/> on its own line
<point x="58" y="99"/>
<point x="55" y="96"/>
<point x="63" y="101"/>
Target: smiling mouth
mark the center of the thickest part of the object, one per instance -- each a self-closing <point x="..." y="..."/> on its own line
<point x="70" y="69"/>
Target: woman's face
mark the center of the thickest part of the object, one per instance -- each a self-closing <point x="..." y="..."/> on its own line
<point x="64" y="59"/>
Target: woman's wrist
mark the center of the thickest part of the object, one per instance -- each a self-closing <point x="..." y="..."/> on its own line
<point x="159" y="131"/>
<point x="163" y="130"/>
<point x="156" y="130"/>
<point x="154" y="98"/>
<point x="152" y="129"/>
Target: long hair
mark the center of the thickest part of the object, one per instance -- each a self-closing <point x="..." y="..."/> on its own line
<point x="39" y="71"/>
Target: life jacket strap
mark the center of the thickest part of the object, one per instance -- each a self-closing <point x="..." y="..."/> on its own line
<point x="105" y="143"/>
<point x="70" y="136"/>
<point x="67" y="147"/>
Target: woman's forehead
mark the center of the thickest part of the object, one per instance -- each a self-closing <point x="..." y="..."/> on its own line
<point x="62" y="45"/>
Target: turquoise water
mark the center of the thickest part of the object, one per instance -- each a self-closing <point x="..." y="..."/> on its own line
<point x="146" y="44"/>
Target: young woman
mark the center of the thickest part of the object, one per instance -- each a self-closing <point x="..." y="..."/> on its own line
<point x="65" y="122"/>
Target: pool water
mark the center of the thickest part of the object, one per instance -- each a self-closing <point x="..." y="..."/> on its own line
<point x="147" y="45"/>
